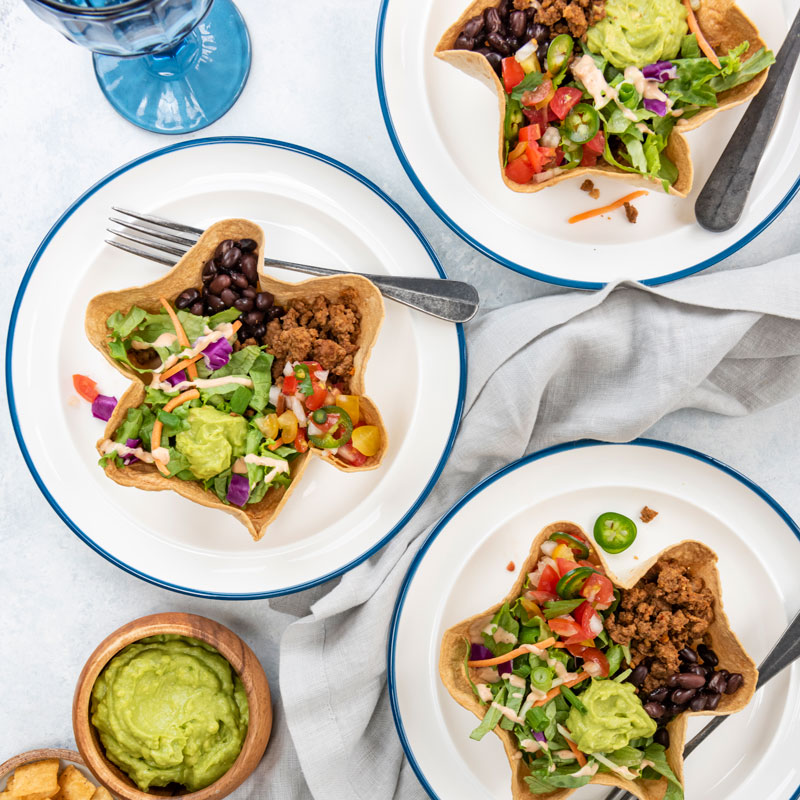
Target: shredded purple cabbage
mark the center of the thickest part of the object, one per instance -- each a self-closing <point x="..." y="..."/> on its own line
<point x="129" y="459"/>
<point x="479" y="652"/>
<point x="238" y="489"/>
<point x="178" y="377"/>
<point x="103" y="407"/>
<point x="217" y="354"/>
<point x="660" y="71"/>
<point x="656" y="106"/>
<point x="539" y="736"/>
<point x="505" y="668"/>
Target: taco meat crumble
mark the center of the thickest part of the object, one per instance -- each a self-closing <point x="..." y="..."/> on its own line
<point x="667" y="610"/>
<point x="647" y="514"/>
<point x="569" y="16"/>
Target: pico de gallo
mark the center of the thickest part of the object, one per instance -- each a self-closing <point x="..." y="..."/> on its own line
<point x="547" y="671"/>
<point x="576" y="109"/>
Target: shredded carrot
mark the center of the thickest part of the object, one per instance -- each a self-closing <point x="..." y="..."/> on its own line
<point x="158" y="426"/>
<point x="582" y="676"/>
<point x="276" y="444"/>
<point x="176" y="368"/>
<point x="183" y="339"/>
<point x="577" y="753"/>
<point x="596" y="212"/>
<point x="694" y="27"/>
<point x="520" y="651"/>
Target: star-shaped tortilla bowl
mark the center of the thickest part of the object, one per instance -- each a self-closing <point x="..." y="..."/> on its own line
<point x="724" y="26"/>
<point x="732" y="657"/>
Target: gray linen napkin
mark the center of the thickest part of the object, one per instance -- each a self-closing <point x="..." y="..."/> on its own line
<point x="605" y="365"/>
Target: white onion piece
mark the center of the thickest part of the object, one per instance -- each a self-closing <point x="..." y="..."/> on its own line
<point x="550" y="173"/>
<point x="551" y="137"/>
<point x="313" y="429"/>
<point x="297" y="407"/>
<point x="548" y="547"/>
<point x="288" y="369"/>
<point x="322" y="375"/>
<point x="274" y="394"/>
<point x="527" y="50"/>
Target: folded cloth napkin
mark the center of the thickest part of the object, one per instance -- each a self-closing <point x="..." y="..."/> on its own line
<point x="605" y="365"/>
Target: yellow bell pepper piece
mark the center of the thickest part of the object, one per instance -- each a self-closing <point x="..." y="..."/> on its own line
<point x="367" y="439"/>
<point x="562" y="551"/>
<point x="349" y="402"/>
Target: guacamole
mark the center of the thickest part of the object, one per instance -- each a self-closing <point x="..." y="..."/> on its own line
<point x="614" y="715"/>
<point x="170" y="709"/>
<point x="213" y="440"/>
<point x="638" y="32"/>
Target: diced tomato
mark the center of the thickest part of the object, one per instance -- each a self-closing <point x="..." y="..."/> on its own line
<point x="540" y="157"/>
<point x="512" y="73"/>
<point x="565" y="99"/>
<point x="596" y="656"/>
<point x="565" y="627"/>
<point x="589" y="159"/>
<point x="316" y="400"/>
<point x="598" y="590"/>
<point x="565" y="565"/>
<point x="548" y="580"/>
<point x="576" y="649"/>
<point x="596" y="145"/>
<point x="314" y="366"/>
<point x="519" y="170"/>
<point x="589" y="620"/>
<point x="289" y="385"/>
<point x="559" y="156"/>
<point x="530" y="133"/>
<point x="85" y="387"/>
<point x="330" y="423"/>
<point x="349" y="454"/>
<point x="542" y="597"/>
<point x="551" y="117"/>
<point x="541" y="92"/>
<point x="301" y="441"/>
<point x="537" y="116"/>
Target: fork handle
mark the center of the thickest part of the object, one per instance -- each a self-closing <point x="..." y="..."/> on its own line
<point x="454" y="301"/>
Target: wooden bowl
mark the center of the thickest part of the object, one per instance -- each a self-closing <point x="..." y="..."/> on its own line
<point x="240" y="657"/>
<point x="68" y="756"/>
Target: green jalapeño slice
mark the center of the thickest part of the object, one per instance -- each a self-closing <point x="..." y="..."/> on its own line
<point x="614" y="532"/>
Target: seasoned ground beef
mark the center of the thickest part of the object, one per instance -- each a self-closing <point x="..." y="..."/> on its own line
<point x="631" y="213"/>
<point x="647" y="514"/>
<point x="571" y="16"/>
<point x="666" y="611"/>
<point x="317" y="330"/>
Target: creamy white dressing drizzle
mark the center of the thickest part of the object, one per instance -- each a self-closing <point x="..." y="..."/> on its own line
<point x="267" y="461"/>
<point x="590" y="768"/>
<point x="165" y="340"/>
<point x="566" y="755"/>
<point x="517" y="681"/>
<point x="223" y="331"/>
<point x="586" y="71"/>
<point x="532" y="746"/>
<point x="201" y="383"/>
<point x="623" y="772"/>
<point x="123" y="450"/>
<point x="161" y="454"/>
<point x="509" y="713"/>
<point x="484" y="692"/>
<point x="487" y="674"/>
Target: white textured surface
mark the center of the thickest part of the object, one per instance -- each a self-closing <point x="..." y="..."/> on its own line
<point x="57" y="598"/>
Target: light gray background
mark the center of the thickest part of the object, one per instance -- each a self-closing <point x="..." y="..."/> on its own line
<point x="312" y="83"/>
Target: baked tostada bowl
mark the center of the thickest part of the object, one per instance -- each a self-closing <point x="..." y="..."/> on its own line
<point x="589" y="679"/>
<point x="606" y="87"/>
<point x="237" y="378"/>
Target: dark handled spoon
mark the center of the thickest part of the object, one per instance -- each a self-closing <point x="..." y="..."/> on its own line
<point x="785" y="652"/>
<point x="721" y="201"/>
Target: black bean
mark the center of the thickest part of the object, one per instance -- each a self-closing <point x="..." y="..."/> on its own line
<point x="219" y="283"/>
<point x="654" y="710"/>
<point x="464" y="42"/>
<point x="688" y="655"/>
<point x="539" y="32"/>
<point x="661" y="736"/>
<point x="246" y="245"/>
<point x="513" y="43"/>
<point x="231" y="258"/>
<point x="688" y="680"/>
<point x="682" y="696"/>
<point x="713" y="701"/>
<point x="240" y="281"/>
<point x="259" y="331"/>
<point x="541" y="53"/>
<point x="244" y="333"/>
<point x="672" y="681"/>
<point x="253" y="318"/>
<point x="223" y="248"/>
<point x="658" y="695"/>
<point x="503" y="8"/>
<point x="214" y="303"/>
<point x="698" y="702"/>
<point x="696" y="669"/>
<point x="708" y="655"/>
<point x="186" y="298"/>
<point x="229" y="297"/>
<point x="197" y="308"/>
<point x="244" y="304"/>
<point x="496" y="61"/>
<point x="264" y="300"/>
<point x="498" y="42"/>
<point x="249" y="266"/>
<point x="492" y="21"/>
<point x="735" y="682"/>
<point x="249" y="292"/>
<point x="674" y="710"/>
<point x="638" y="675"/>
<point x="209" y="271"/>
<point x="517" y="22"/>
<point x="474" y="27"/>
<point x="273" y="312"/>
<point x="717" y="683"/>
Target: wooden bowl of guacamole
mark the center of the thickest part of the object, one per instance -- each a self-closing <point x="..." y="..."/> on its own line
<point x="172" y="705"/>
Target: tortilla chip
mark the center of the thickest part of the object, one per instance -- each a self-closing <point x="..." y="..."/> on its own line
<point x="702" y="561"/>
<point x="724" y="26"/>
<point x="187" y="273"/>
<point x="101" y="793"/>
<point x="36" y="781"/>
<point x="74" y="786"/>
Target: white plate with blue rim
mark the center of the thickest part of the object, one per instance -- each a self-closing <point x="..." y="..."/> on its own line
<point x="444" y="124"/>
<point x="461" y="570"/>
<point x="313" y="210"/>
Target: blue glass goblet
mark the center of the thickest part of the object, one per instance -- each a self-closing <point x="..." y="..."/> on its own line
<point x="169" y="66"/>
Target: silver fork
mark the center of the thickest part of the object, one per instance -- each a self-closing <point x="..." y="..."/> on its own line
<point x="454" y="301"/>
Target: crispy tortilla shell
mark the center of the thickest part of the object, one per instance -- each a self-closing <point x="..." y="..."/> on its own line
<point x="702" y="561"/>
<point x="724" y="26"/>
